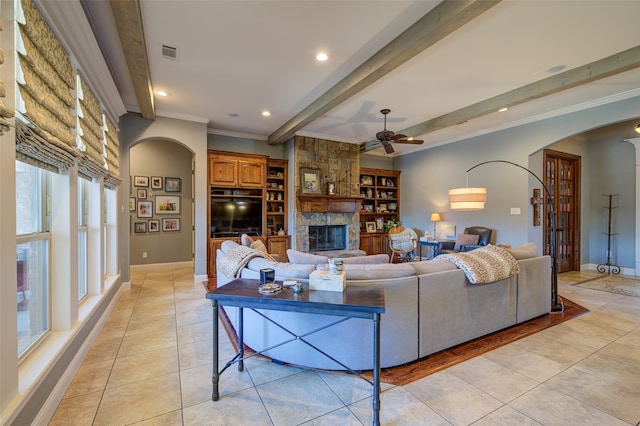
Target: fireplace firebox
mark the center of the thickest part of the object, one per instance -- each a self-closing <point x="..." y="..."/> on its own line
<point x="327" y="237"/>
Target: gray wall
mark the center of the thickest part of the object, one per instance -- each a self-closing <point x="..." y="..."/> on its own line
<point x="246" y="145"/>
<point x="193" y="136"/>
<point x="165" y="159"/>
<point x="608" y="166"/>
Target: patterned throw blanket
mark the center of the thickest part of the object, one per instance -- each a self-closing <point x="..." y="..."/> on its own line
<point x="236" y="258"/>
<point x="485" y="264"/>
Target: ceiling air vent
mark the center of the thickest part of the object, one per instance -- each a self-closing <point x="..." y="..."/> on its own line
<point x="169" y="52"/>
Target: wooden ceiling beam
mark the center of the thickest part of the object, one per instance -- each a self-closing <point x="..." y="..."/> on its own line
<point x="442" y="20"/>
<point x="128" y="19"/>
<point x="615" y="64"/>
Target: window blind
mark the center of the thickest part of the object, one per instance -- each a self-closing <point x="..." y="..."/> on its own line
<point x="44" y="96"/>
<point x="61" y="120"/>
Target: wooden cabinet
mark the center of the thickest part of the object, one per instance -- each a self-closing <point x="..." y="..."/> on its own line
<point x="374" y="243"/>
<point x="214" y="244"/>
<point x="228" y="170"/>
<point x="381" y="191"/>
<point x="279" y="245"/>
<point x="248" y="178"/>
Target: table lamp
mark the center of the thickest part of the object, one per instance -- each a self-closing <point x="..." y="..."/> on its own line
<point x="435" y="217"/>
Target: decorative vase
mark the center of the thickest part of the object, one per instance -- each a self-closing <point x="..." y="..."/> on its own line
<point x="336" y="265"/>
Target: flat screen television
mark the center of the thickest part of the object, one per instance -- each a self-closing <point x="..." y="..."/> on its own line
<point x="234" y="216"/>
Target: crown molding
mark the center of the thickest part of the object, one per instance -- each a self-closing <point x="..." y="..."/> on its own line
<point x="242" y="135"/>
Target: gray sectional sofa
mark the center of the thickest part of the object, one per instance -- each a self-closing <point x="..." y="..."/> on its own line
<point x="430" y="306"/>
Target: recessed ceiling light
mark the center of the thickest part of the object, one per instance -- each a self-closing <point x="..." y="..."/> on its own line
<point x="266" y="113"/>
<point x="503" y="109"/>
<point x="557" y="68"/>
<point x="321" y="57"/>
<point x="163" y="93"/>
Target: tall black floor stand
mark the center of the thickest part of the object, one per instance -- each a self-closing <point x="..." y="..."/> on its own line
<point x="608" y="267"/>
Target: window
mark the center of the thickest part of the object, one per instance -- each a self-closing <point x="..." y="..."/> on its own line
<point x="32" y="254"/>
<point x="83" y="277"/>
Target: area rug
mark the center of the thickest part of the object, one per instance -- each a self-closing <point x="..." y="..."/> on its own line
<point x="403" y="374"/>
<point x="613" y="284"/>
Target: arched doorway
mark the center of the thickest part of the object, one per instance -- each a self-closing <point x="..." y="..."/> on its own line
<point x="161" y="173"/>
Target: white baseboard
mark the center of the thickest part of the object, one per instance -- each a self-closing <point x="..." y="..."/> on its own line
<point x="173" y="265"/>
<point x="594" y="267"/>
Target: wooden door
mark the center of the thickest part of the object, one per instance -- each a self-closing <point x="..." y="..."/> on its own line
<point x="562" y="178"/>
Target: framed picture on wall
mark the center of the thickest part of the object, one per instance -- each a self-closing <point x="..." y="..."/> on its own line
<point x="167" y="204"/>
<point x="310" y="181"/>
<point x="156" y="182"/>
<point x="154" y="225"/>
<point x="172" y="224"/>
<point x="141" y="181"/>
<point x="172" y="184"/>
<point x="145" y="209"/>
<point x="132" y="204"/>
<point x="141" y="227"/>
<point x="142" y="193"/>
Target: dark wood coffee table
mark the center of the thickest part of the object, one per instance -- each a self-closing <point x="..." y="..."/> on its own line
<point x="354" y="302"/>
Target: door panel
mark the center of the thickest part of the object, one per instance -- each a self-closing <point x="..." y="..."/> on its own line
<point x="562" y="174"/>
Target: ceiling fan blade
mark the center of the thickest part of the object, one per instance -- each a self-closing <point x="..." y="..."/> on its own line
<point x="387" y="147"/>
<point x="398" y="136"/>
<point x="411" y="141"/>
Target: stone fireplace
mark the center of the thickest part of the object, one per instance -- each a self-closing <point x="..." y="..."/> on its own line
<point x="339" y="163"/>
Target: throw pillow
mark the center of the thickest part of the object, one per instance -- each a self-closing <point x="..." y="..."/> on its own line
<point x="464" y="239"/>
<point x="259" y="246"/>
<point x="524" y="251"/>
<point x="246" y="240"/>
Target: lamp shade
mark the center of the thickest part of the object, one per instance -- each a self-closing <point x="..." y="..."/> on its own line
<point x="637" y="128"/>
<point x="467" y="198"/>
<point x="435" y="217"/>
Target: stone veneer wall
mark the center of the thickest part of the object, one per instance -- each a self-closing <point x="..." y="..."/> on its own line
<point x="337" y="162"/>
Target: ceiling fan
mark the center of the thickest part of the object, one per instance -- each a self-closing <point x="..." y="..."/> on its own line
<point x="386" y="137"/>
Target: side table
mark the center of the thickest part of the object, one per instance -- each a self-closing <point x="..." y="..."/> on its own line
<point x="428" y="243"/>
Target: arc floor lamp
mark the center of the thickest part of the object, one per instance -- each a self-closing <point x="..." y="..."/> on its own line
<point x="475" y="198"/>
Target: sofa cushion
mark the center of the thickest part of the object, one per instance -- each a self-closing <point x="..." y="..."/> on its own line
<point x="375" y="271"/>
<point x="228" y="245"/>
<point x="283" y="270"/>
<point x="303" y="258"/>
<point x="524" y="251"/>
<point x="246" y="240"/>
<point x="432" y="265"/>
<point x="464" y="239"/>
<point x="372" y="259"/>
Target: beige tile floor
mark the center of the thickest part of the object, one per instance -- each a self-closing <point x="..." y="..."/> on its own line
<point x="151" y="365"/>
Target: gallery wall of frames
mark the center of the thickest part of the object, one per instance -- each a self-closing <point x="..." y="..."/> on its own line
<point x="155" y="204"/>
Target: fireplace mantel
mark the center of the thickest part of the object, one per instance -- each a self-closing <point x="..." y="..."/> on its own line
<point x="329" y="204"/>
